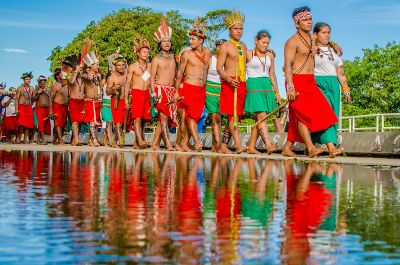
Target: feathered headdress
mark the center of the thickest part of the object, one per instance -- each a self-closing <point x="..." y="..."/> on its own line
<point x="235" y="17"/>
<point x="199" y="30"/>
<point x="139" y="42"/>
<point x="119" y="58"/>
<point x="163" y="31"/>
<point x="90" y="59"/>
<point x="72" y="61"/>
<point x="27" y="75"/>
<point x="41" y="78"/>
<point x="85" y="50"/>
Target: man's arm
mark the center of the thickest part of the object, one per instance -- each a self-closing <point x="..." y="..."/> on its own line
<point x="221" y="59"/>
<point x="128" y="81"/>
<point x="5" y="103"/>
<point x="290" y="53"/>
<point x="110" y="86"/>
<point x="17" y="99"/>
<point x="153" y="73"/>
<point x="181" y="71"/>
<point x="52" y="96"/>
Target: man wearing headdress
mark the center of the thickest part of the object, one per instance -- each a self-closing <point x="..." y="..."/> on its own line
<point x="309" y="111"/>
<point x="23" y="107"/>
<point x="76" y="92"/>
<point x="193" y="66"/>
<point x="93" y="95"/>
<point x="116" y="89"/>
<point x="42" y="99"/>
<point x="138" y="84"/>
<point x="59" y="106"/>
<point x="231" y="66"/>
<point x="162" y="80"/>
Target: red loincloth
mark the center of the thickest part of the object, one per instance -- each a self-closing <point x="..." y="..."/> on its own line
<point x="226" y="104"/>
<point x="119" y="113"/>
<point x="92" y="110"/>
<point x="140" y="104"/>
<point x="43" y="125"/>
<point x="194" y="99"/>
<point x="25" y="116"/>
<point x="310" y="107"/>
<point x="167" y="94"/>
<point x="10" y="123"/>
<point x="76" y="107"/>
<point x="60" y="112"/>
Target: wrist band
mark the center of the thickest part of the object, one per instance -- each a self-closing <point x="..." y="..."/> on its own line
<point x="346" y="89"/>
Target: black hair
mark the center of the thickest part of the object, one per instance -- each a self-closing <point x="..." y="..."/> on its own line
<point x="57" y="71"/>
<point x="318" y="26"/>
<point x="171" y="50"/>
<point x="263" y="33"/>
<point x="300" y="9"/>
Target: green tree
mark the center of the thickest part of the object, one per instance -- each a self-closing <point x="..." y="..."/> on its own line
<point x="374" y="80"/>
<point x="118" y="28"/>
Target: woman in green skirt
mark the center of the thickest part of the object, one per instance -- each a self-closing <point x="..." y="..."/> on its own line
<point x="106" y="116"/>
<point x="262" y="89"/>
<point x="329" y="76"/>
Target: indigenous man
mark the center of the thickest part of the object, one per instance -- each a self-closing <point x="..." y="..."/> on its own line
<point x="93" y="95"/>
<point x="231" y="66"/>
<point x="42" y="99"/>
<point x="137" y="84"/>
<point x="162" y="79"/>
<point x="76" y="97"/>
<point x="23" y="108"/>
<point x="10" y="118"/>
<point x="115" y="89"/>
<point x="59" y="106"/>
<point x="309" y="110"/>
<point x="194" y="66"/>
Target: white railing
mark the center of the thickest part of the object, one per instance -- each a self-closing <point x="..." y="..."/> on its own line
<point x="379" y="122"/>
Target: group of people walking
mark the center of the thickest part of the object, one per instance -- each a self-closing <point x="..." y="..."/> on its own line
<point x="228" y="83"/>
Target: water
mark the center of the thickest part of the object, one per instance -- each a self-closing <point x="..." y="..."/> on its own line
<point x="70" y="207"/>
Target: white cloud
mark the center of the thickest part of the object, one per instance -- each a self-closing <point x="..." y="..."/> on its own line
<point x="14" y="50"/>
<point x="34" y="25"/>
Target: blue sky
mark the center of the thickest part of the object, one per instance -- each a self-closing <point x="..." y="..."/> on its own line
<point x="31" y="29"/>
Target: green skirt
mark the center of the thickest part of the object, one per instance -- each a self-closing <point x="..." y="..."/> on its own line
<point x="106" y="114"/>
<point x="330" y="87"/>
<point x="260" y="95"/>
<point x="213" y="91"/>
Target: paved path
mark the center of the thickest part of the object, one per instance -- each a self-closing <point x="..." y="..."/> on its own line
<point x="369" y="161"/>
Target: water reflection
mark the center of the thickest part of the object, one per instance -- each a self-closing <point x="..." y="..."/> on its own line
<point x="111" y="207"/>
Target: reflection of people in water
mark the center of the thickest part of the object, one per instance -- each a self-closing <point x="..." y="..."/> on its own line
<point x="308" y="204"/>
<point x="228" y="207"/>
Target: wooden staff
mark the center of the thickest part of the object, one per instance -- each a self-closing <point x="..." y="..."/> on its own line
<point x="49" y="117"/>
<point x="235" y="118"/>
<point x="154" y="105"/>
<point x="270" y="114"/>
<point x="126" y="119"/>
<point x="172" y="101"/>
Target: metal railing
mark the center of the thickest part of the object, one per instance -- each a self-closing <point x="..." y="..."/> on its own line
<point x="378" y="120"/>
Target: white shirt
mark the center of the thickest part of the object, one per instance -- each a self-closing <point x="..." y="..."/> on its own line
<point x="105" y="93"/>
<point x="10" y="109"/>
<point x="324" y="66"/>
<point x="255" y="68"/>
<point x="212" y="74"/>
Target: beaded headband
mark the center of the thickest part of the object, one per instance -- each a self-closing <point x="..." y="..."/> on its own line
<point x="300" y="15"/>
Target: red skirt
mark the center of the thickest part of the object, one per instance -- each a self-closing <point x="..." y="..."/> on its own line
<point x="92" y="110"/>
<point x="60" y="110"/>
<point x="76" y="108"/>
<point x="42" y="115"/>
<point x="119" y="113"/>
<point x="226" y="103"/>
<point x="10" y="123"/>
<point x="310" y="107"/>
<point x="140" y="104"/>
<point x="165" y="94"/>
<point x="194" y="100"/>
<point x="25" y="116"/>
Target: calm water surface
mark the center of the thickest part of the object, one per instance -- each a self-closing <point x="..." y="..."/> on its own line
<point x="63" y="207"/>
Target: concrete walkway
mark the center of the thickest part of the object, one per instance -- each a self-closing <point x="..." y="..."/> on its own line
<point x="368" y="161"/>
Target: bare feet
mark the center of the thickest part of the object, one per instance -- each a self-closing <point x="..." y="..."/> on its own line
<point x="186" y="148"/>
<point x="224" y="150"/>
<point x="142" y="144"/>
<point x="316" y="151"/>
<point x="198" y="147"/>
<point x="241" y="149"/>
<point x="272" y="148"/>
<point x="170" y="148"/>
<point x="178" y="148"/>
<point x="155" y="148"/>
<point x="253" y="151"/>
<point x="336" y="152"/>
<point x="288" y="152"/>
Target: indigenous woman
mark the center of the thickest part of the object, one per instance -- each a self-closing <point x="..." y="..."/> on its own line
<point x="106" y="116"/>
<point x="329" y="76"/>
<point x="262" y="89"/>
